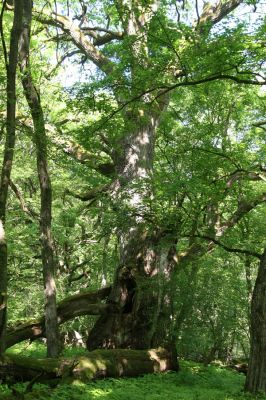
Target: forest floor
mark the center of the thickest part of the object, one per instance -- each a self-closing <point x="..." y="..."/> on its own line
<point x="193" y="382"/>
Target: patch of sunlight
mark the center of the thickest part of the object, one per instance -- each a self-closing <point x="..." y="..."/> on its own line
<point x="14" y="351"/>
<point x="196" y="369"/>
<point x="85" y="363"/>
<point x="220" y="370"/>
<point x="98" y="393"/>
<point x="27" y="349"/>
<point x="78" y="382"/>
<point x="101" y="364"/>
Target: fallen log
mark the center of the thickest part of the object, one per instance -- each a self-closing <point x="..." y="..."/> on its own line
<point x="93" y="365"/>
<point x="85" y="303"/>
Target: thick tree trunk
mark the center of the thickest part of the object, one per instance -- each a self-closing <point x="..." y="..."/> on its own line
<point x="7" y="162"/>
<point x="143" y="273"/>
<point x="93" y="365"/>
<point x="256" y="376"/>
<point x="86" y="303"/>
<point x="34" y="103"/>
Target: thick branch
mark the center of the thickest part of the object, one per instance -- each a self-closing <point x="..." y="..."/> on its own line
<point x="243" y="174"/>
<point x="79" y="38"/>
<point x="83" y="156"/>
<point x="243" y="208"/>
<point x="212" y="14"/>
<point x="260" y="125"/>
<point x="99" y="40"/>
<point x="71" y="148"/>
<point x="92" y="193"/>
<point x="80" y="304"/>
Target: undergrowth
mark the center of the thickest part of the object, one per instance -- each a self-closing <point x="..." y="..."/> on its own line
<point x="193" y="382"/>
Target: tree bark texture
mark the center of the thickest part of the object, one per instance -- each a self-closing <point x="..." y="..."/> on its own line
<point x="85" y="303"/>
<point x="142" y="278"/>
<point x="7" y="162"/>
<point x="34" y="103"/>
<point x="93" y="365"/>
<point x="256" y="376"/>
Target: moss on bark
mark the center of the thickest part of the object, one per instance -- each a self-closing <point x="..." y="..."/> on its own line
<point x="96" y="364"/>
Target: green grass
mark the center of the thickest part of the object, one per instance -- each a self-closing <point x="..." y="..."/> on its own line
<point x="38" y="350"/>
<point x="193" y="382"/>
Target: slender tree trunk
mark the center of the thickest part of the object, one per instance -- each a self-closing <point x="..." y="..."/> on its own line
<point x="7" y="163"/>
<point x="256" y="376"/>
<point x="33" y="99"/>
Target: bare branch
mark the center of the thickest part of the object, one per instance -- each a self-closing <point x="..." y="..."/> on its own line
<point x="260" y="125"/>
<point x="100" y="29"/>
<point x="244" y="207"/>
<point x="92" y="194"/>
<point x="243" y="174"/>
<point x="84" y="303"/>
<point x="212" y="14"/>
<point x="230" y="249"/>
<point x="61" y="60"/>
<point x="99" y="40"/>
<point x="79" y="38"/>
<point x="31" y="213"/>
